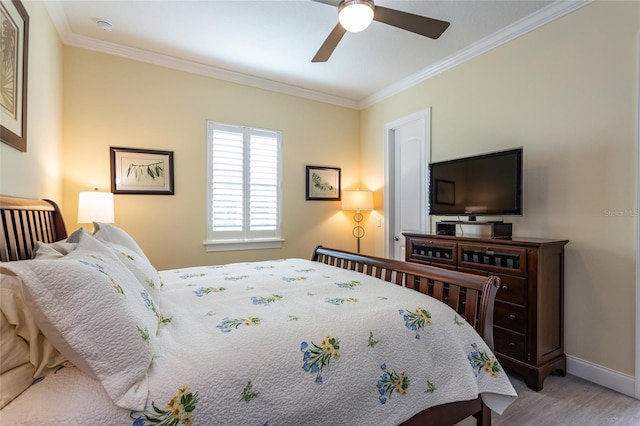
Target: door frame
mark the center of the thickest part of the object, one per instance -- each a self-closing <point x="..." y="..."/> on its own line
<point x="389" y="184"/>
<point x="637" y="375"/>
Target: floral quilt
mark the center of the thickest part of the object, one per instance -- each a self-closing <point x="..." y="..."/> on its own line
<point x="296" y="342"/>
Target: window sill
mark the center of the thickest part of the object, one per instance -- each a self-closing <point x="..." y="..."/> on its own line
<point x="231" y="245"/>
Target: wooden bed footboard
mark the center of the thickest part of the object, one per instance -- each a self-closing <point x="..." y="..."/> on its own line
<point x="472" y="296"/>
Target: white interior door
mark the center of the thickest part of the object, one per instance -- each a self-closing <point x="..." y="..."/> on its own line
<point x="407" y="143"/>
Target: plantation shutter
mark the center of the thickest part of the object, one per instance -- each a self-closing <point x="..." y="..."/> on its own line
<point x="244" y="190"/>
<point x="263" y="198"/>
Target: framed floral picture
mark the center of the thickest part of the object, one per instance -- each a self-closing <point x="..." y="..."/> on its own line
<point x="323" y="183"/>
<point x="141" y="171"/>
<point x="14" y="52"/>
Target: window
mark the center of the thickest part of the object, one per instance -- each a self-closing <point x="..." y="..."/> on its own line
<point x="243" y="191"/>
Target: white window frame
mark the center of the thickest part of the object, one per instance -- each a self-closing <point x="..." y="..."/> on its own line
<point x="245" y="239"/>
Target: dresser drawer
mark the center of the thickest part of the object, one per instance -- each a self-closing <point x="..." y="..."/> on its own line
<point x="510" y="316"/>
<point x="428" y="251"/>
<point x="510" y="343"/>
<point x="512" y="289"/>
<point x="496" y="259"/>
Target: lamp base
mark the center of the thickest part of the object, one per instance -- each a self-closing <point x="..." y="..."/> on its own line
<point x="358" y="230"/>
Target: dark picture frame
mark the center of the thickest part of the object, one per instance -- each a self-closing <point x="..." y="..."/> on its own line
<point x="445" y="192"/>
<point x="14" y="55"/>
<point x="323" y="183"/>
<point x="141" y="171"/>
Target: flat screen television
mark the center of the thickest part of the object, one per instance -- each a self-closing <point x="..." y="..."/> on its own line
<point x="482" y="185"/>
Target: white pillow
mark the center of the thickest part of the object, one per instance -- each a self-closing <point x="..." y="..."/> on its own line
<point x="97" y="314"/>
<point x="109" y="233"/>
<point x="16" y="372"/>
<point x="26" y="353"/>
<point x="131" y="255"/>
<point x="52" y="250"/>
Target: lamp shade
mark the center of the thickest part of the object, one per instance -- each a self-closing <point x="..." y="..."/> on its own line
<point x="357" y="200"/>
<point x="355" y="15"/>
<point x="95" y="206"/>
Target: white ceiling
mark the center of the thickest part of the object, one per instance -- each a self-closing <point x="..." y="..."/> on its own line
<point x="270" y="43"/>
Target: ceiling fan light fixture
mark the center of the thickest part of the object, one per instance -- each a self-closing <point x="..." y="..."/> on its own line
<point x="355" y="15"/>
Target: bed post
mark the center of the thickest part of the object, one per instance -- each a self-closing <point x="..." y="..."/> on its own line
<point x="483" y="417"/>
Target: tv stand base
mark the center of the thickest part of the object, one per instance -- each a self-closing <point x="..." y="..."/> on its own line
<point x="484" y="229"/>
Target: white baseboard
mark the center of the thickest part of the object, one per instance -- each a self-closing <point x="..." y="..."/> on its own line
<point x="602" y="376"/>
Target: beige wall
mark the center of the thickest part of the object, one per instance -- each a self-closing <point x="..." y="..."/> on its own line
<point x="36" y="173"/>
<point x="110" y="101"/>
<point x="567" y="93"/>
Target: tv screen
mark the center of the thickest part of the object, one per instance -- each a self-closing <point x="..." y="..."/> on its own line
<point x="488" y="185"/>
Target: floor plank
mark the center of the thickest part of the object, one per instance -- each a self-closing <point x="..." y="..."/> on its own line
<point x="567" y="401"/>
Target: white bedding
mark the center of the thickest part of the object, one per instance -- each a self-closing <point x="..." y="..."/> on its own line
<point x="288" y="342"/>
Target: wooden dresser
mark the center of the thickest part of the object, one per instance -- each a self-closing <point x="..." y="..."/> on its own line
<point x="528" y="317"/>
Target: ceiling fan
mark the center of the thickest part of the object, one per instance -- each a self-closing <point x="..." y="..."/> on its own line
<point x="363" y="12"/>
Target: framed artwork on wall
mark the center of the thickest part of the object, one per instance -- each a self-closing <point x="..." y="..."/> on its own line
<point x="141" y="171"/>
<point x="323" y="183"/>
<point x="14" y="54"/>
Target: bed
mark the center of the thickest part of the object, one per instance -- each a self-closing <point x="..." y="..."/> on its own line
<point x="92" y="333"/>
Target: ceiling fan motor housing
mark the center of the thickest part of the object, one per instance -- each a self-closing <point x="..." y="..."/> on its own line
<point x="356" y="15"/>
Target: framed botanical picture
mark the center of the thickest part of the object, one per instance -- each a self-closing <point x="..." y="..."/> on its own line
<point x="445" y="192"/>
<point x="14" y="52"/>
<point x="141" y="171"/>
<point x="323" y="183"/>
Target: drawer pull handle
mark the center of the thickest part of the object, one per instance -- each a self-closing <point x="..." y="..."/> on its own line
<point x="512" y="345"/>
<point x="505" y="288"/>
<point x="512" y="317"/>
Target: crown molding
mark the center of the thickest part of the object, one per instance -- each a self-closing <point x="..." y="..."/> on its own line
<point x="204" y="70"/>
<point x="548" y="14"/>
<point x="543" y="16"/>
<point x="70" y="39"/>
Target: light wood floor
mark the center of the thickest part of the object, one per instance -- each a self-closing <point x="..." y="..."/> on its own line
<point x="567" y="401"/>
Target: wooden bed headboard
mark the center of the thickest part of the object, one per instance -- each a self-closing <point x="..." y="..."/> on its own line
<point x="24" y="222"/>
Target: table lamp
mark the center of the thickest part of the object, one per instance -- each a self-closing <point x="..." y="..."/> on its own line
<point x="357" y="200"/>
<point x="95" y="206"/>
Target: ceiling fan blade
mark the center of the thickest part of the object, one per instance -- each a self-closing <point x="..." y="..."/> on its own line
<point x="329" y="44"/>
<point x="329" y="2"/>
<point x="428" y="27"/>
